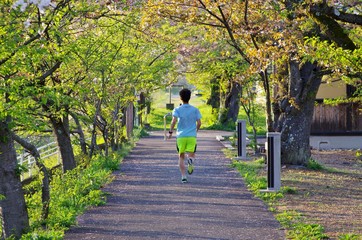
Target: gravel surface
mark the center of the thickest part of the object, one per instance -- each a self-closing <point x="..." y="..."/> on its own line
<point x="148" y="201"/>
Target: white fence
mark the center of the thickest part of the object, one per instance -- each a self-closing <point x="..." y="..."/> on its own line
<point x="45" y="152"/>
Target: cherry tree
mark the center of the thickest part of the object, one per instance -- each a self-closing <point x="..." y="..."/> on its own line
<point x="270" y="35"/>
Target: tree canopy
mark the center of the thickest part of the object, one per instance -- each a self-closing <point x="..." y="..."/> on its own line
<point x="291" y="45"/>
<point x="88" y="60"/>
<point x="67" y="65"/>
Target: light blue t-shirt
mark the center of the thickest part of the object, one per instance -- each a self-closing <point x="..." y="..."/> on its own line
<point x="187" y="116"/>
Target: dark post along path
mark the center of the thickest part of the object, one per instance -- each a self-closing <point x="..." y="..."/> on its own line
<point x="148" y="201"/>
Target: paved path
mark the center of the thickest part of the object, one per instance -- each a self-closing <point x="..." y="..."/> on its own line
<point x="148" y="200"/>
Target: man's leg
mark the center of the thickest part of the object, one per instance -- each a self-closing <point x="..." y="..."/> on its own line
<point x="181" y="163"/>
<point x="190" y="162"/>
<point x="191" y="149"/>
<point x="181" y="145"/>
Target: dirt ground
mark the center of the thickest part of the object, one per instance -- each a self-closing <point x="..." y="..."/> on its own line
<point x="331" y="197"/>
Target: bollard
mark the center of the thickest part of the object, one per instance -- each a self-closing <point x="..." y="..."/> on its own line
<point x="273" y="161"/>
<point x="241" y="131"/>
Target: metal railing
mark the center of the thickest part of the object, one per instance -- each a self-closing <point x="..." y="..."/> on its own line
<point x="45" y="152"/>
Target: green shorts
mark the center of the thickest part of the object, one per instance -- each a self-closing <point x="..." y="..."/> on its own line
<point x="186" y="144"/>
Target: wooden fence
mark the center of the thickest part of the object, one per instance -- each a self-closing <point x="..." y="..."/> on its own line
<point x="340" y="119"/>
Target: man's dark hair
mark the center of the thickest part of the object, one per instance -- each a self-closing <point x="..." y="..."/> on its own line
<point x="185" y="95"/>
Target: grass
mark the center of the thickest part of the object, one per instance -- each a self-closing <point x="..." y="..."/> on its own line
<point x="314" y="165"/>
<point x="156" y="119"/>
<point x="289" y="190"/>
<point x="294" y="222"/>
<point x="308" y="191"/>
<point x="298" y="229"/>
<point x="349" y="236"/>
<point x="255" y="181"/>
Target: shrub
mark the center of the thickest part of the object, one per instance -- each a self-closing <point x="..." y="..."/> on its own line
<point x="71" y="193"/>
<point x="314" y="165"/>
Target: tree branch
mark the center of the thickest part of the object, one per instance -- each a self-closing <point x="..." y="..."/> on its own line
<point x="336" y="14"/>
<point x="330" y="27"/>
<point x="231" y="35"/>
<point x="158" y="56"/>
<point x="50" y="71"/>
<point x="32" y="39"/>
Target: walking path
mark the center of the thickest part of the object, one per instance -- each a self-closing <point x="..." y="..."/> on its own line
<point x="148" y="201"/>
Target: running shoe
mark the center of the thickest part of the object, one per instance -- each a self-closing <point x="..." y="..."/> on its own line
<point x="184" y="180"/>
<point x="190" y="166"/>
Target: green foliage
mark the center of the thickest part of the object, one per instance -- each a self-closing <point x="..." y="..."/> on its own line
<point x="139" y="133"/>
<point x="44" y="235"/>
<point x="250" y="171"/>
<point x="71" y="194"/>
<point x="359" y="154"/>
<point x="329" y="55"/>
<point x="2" y="197"/>
<point x="228" y="126"/>
<point x="288" y="190"/>
<point x="314" y="165"/>
<point x="298" y="228"/>
<point x="223" y="118"/>
<point x="20" y="169"/>
<point x="156" y="119"/>
<point x="340" y="101"/>
<point x="289" y="218"/>
<point x="209" y="117"/>
<point x="350" y="236"/>
<point x="305" y="231"/>
<point x="259" y="119"/>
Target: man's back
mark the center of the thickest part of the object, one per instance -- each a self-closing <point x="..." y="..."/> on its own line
<point x="187" y="116"/>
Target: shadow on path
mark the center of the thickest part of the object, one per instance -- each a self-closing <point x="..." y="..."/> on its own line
<point x="148" y="201"/>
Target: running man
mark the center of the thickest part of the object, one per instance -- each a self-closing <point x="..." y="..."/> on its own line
<point x="188" y="119"/>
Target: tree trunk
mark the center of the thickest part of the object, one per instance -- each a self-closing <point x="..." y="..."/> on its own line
<point x="130" y="120"/>
<point x="248" y="104"/>
<point x="115" y="128"/>
<point x="94" y="129"/>
<point x="268" y="113"/>
<point x="230" y="109"/>
<point x="64" y="143"/>
<point x="105" y="138"/>
<point x="45" y="194"/>
<point x="214" y="99"/>
<point x="82" y="142"/>
<point x="295" y="133"/>
<point x="13" y="212"/>
<point x="296" y="113"/>
<point x="142" y="105"/>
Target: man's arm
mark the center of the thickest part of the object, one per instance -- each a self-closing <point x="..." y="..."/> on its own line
<point x="172" y="127"/>
<point x="198" y="124"/>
